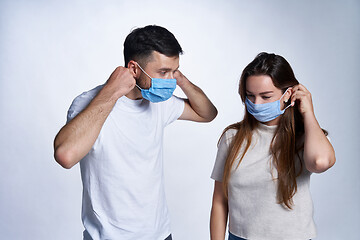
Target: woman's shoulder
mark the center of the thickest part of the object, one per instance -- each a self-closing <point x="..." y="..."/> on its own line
<point x="230" y="132"/>
<point x="228" y="135"/>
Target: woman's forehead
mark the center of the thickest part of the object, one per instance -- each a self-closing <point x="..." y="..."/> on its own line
<point x="260" y="83"/>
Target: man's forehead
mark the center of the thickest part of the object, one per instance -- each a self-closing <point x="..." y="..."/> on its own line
<point x="162" y="57"/>
<point x="161" y="61"/>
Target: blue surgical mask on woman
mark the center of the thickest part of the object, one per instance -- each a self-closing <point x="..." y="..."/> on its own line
<point x="265" y="112"/>
<point x="160" y="90"/>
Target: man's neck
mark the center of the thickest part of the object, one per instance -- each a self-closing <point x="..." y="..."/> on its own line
<point x="134" y="94"/>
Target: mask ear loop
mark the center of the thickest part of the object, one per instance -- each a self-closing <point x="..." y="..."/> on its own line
<point x="290" y="105"/>
<point x="143" y="71"/>
<point x="138" y="86"/>
<point x="286" y="101"/>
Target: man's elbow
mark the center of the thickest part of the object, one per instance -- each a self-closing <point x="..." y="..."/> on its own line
<point x="64" y="158"/>
<point x="211" y="116"/>
<point x="215" y="113"/>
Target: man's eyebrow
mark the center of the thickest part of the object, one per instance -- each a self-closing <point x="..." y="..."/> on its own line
<point x="165" y="69"/>
<point x="168" y="69"/>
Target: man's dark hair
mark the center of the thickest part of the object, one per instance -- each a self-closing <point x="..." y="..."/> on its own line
<point x="140" y="43"/>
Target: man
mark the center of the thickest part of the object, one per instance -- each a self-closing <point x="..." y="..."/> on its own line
<point x="116" y="130"/>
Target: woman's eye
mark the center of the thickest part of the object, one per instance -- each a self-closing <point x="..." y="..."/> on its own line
<point x="162" y="72"/>
<point x="266" y="97"/>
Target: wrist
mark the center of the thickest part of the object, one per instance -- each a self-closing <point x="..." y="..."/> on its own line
<point x="308" y="115"/>
<point x="113" y="93"/>
<point x="309" y="119"/>
<point x="183" y="82"/>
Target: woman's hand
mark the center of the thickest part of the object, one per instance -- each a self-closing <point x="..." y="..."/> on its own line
<point x="302" y="97"/>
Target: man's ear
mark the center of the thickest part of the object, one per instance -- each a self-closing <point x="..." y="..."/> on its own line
<point x="288" y="94"/>
<point x="134" y="69"/>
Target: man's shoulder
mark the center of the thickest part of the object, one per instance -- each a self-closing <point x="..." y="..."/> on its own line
<point x="88" y="95"/>
<point x="81" y="102"/>
<point x="171" y="102"/>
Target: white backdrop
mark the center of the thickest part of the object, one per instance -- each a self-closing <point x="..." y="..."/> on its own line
<point x="51" y="51"/>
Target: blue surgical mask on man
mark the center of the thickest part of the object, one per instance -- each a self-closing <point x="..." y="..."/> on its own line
<point x="265" y="112"/>
<point x="160" y="90"/>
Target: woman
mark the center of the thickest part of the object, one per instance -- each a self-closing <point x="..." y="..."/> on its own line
<point x="263" y="165"/>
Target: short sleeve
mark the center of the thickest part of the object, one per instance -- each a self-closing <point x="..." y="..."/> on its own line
<point x="172" y="109"/>
<point x="222" y="153"/>
<point x="73" y="111"/>
<point x="81" y="102"/>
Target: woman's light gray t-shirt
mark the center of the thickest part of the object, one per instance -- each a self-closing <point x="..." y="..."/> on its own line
<point x="253" y="209"/>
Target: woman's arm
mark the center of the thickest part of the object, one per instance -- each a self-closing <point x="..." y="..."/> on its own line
<point x="219" y="213"/>
<point x="319" y="155"/>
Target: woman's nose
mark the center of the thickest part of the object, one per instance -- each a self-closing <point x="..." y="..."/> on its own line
<point x="257" y="100"/>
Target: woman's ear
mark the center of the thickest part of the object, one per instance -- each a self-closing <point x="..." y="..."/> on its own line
<point x="288" y="94"/>
<point x="134" y="69"/>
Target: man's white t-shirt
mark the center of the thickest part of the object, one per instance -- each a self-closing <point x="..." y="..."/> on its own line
<point x="122" y="175"/>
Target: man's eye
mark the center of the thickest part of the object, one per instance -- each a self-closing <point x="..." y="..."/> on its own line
<point x="266" y="97"/>
<point x="162" y="72"/>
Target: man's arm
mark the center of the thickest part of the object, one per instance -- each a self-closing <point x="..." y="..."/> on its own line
<point x="77" y="137"/>
<point x="198" y="107"/>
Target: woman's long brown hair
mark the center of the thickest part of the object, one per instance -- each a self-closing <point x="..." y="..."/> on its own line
<point x="286" y="142"/>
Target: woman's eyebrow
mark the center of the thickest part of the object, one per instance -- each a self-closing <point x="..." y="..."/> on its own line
<point x="267" y="92"/>
<point x="262" y="93"/>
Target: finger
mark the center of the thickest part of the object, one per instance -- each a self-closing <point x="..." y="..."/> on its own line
<point x="302" y="88"/>
<point x="298" y="95"/>
<point x="296" y="88"/>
